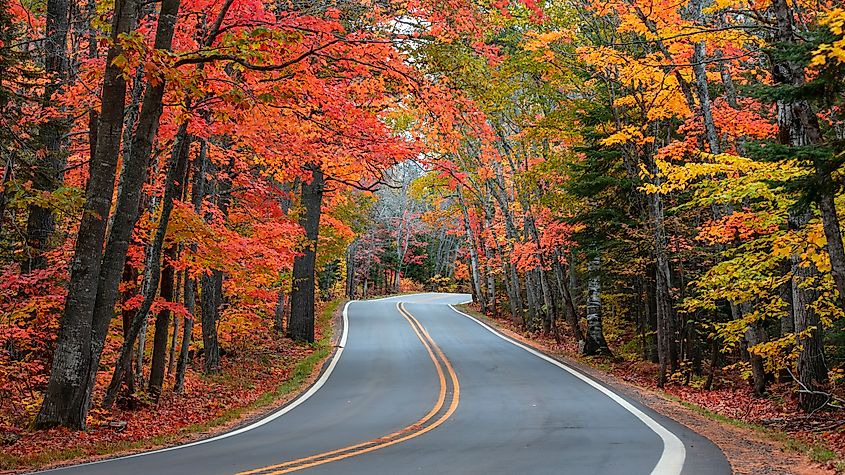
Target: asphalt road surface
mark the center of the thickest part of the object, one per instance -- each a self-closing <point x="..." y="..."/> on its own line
<point x="419" y="388"/>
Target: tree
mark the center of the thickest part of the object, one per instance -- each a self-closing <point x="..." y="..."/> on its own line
<point x="68" y="395"/>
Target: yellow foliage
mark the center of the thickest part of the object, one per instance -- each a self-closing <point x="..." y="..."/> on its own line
<point x="629" y="133"/>
<point x="677" y="177"/>
<point x="834" y="20"/>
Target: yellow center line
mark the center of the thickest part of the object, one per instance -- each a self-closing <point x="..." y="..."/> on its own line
<point x="411" y="431"/>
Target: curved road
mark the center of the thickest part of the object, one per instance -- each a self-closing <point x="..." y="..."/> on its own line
<point x="418" y="387"/>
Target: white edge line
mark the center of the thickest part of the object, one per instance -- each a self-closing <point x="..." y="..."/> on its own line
<point x="671" y="460"/>
<point x="270" y="418"/>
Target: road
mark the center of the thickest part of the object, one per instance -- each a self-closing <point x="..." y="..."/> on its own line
<point x="418" y="387"/>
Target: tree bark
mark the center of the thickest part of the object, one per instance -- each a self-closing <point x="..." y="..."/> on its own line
<point x="488" y="271"/>
<point x="301" y="322"/>
<point x="130" y="276"/>
<point x="755" y="334"/>
<point x="595" y="342"/>
<point x="197" y="194"/>
<point x="702" y="88"/>
<point x="67" y="399"/>
<point x="187" y="331"/>
<point x="174" y="338"/>
<point x="812" y="368"/>
<point x="473" y="254"/>
<point x="497" y="189"/>
<point x="167" y="289"/>
<point x="511" y="287"/>
<point x="805" y="123"/>
<point x="531" y="298"/>
<point x="547" y="309"/>
<point x="212" y="294"/>
<point x="210" y="302"/>
<point x="132" y="178"/>
<point x="152" y="275"/>
<point x="279" y="313"/>
<point x="798" y="125"/>
<point x="570" y="313"/>
<point x="666" y="329"/>
<point x="162" y="327"/>
<point x="351" y="282"/>
<point x="832" y="232"/>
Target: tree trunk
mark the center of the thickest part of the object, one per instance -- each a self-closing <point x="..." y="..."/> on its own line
<point x="511" y="287"/>
<point x="212" y="294"/>
<point x="197" y="194"/>
<point x="595" y="342"/>
<point x="667" y="333"/>
<point x="162" y="326"/>
<point x="473" y="254"/>
<point x="209" y="301"/>
<point x="798" y="125"/>
<point x="543" y="297"/>
<point x="517" y="292"/>
<point x="187" y="331"/>
<point x="488" y="271"/>
<point x="351" y="283"/>
<point x="714" y="360"/>
<point x="830" y="223"/>
<point x="67" y="399"/>
<point x="130" y="276"/>
<point x="174" y="337"/>
<point x="279" y="313"/>
<point x="754" y="335"/>
<point x="132" y="178"/>
<point x="804" y="129"/>
<point x="140" y="352"/>
<point x="569" y="312"/>
<point x="301" y="322"/>
<point x="812" y="368"/>
<point x="152" y="275"/>
<point x="698" y="65"/>
<point x="497" y="190"/>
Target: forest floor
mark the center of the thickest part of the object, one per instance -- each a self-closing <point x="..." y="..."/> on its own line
<point x="256" y="379"/>
<point x="759" y="436"/>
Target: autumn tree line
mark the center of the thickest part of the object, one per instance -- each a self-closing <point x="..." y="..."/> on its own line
<point x="670" y="169"/>
<point x="182" y="176"/>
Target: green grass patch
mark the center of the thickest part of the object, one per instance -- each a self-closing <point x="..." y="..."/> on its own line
<point x="298" y="378"/>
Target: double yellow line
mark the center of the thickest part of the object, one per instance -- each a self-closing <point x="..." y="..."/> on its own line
<point x="435" y="417"/>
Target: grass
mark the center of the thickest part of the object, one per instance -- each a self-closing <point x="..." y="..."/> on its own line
<point x="298" y="378"/>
